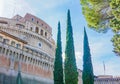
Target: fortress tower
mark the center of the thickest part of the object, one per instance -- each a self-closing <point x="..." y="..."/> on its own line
<point x="27" y="40"/>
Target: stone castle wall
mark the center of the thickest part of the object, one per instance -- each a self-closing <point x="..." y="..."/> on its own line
<point x="26" y="43"/>
<point x="9" y="66"/>
<point x="7" y="79"/>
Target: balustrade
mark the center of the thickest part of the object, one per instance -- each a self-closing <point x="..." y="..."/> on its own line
<point x="25" y="56"/>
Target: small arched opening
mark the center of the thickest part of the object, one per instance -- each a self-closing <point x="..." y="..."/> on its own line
<point x="37" y="30"/>
<point x="41" y="32"/>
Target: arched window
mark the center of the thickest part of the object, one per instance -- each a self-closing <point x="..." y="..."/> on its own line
<point x="3" y="50"/>
<point x="32" y="19"/>
<point x="10" y="53"/>
<point x="14" y="54"/>
<point x="0" y="49"/>
<point x="18" y="45"/>
<point x="46" y="34"/>
<point x="25" y="58"/>
<point x="37" y="22"/>
<point x="6" y="41"/>
<point x="7" y="51"/>
<point x="37" y="30"/>
<point x="29" y="59"/>
<point x="20" y="25"/>
<point x="13" y="43"/>
<point x="41" y="32"/>
<point x="20" y="56"/>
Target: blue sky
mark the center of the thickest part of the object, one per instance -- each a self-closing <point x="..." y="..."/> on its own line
<point x="52" y="11"/>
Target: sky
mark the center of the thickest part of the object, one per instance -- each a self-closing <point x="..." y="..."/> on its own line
<point x="52" y="11"/>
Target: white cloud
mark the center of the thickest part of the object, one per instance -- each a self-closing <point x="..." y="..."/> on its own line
<point x="100" y="51"/>
<point x="98" y="68"/>
<point x="1" y="7"/>
<point x="79" y="59"/>
<point x="78" y="55"/>
<point x="111" y="67"/>
<point x="11" y="7"/>
<point x="48" y="4"/>
<point x="97" y="48"/>
<point x="100" y="47"/>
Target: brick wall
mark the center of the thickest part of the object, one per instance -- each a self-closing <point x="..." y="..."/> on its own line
<point x="26" y="68"/>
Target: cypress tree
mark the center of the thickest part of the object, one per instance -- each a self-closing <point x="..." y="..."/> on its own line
<point x="19" y="78"/>
<point x="87" y="74"/>
<point x="71" y="74"/>
<point x="58" y="68"/>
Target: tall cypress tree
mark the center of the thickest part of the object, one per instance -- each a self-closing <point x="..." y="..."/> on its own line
<point x="71" y="74"/>
<point x="87" y="74"/>
<point x="58" y="68"/>
<point x="19" y="78"/>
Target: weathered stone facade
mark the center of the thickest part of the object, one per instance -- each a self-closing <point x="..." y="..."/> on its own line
<point x="27" y="40"/>
<point x="107" y="80"/>
<point x="101" y="79"/>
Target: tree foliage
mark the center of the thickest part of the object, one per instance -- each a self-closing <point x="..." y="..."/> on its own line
<point x="102" y="15"/>
<point x="70" y="68"/>
<point x="58" y="68"/>
<point x="87" y="74"/>
<point x="116" y="43"/>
